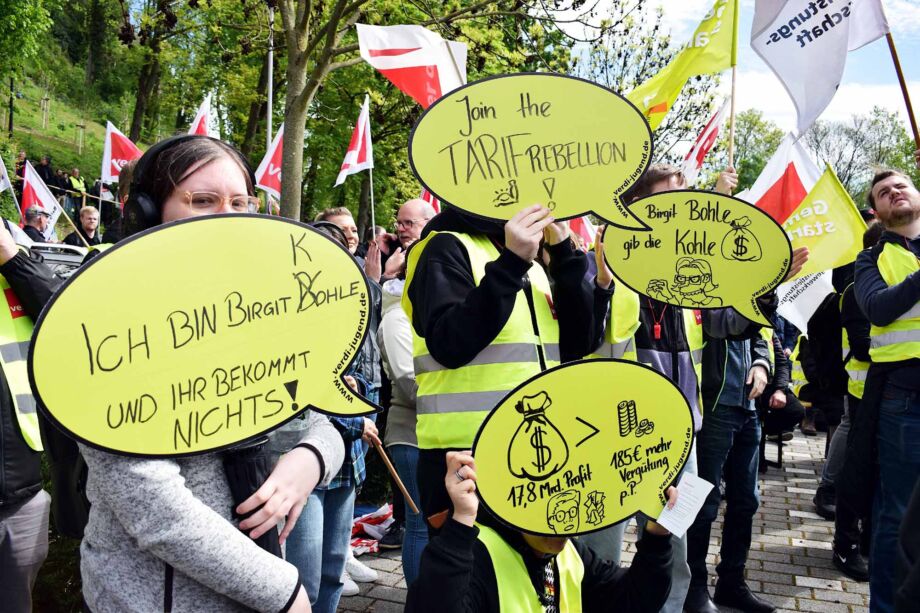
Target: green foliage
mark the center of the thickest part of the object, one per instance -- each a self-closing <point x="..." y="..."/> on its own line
<point x="756" y="140"/>
<point x="24" y="23"/>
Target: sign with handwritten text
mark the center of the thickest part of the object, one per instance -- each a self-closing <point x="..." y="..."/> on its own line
<point x="501" y="144"/>
<point x="699" y="250"/>
<point x="202" y="334"/>
<point x="583" y="446"/>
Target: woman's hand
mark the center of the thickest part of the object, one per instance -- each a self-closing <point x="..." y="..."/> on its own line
<point x="461" y="486"/>
<point x="370" y="435"/>
<point x="283" y="494"/>
<point x="372" y="261"/>
<point x="524" y="231"/>
<point x="604" y="274"/>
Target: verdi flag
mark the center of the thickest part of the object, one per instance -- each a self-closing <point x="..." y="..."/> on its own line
<point x="805" y="42"/>
<point x="5" y="182"/>
<point x="202" y="118"/>
<point x="268" y="174"/>
<point x="360" y="153"/>
<point x="828" y="223"/>
<point x="117" y="151"/>
<point x="712" y="49"/>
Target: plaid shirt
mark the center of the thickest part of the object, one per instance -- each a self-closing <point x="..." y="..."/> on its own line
<point x="351" y="428"/>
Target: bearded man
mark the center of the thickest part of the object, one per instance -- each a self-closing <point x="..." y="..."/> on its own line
<point x="887" y="288"/>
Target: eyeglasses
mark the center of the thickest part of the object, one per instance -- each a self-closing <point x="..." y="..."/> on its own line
<point x="209" y="202"/>
<point x="563" y="514"/>
<point x="692" y="279"/>
<point x="407" y="224"/>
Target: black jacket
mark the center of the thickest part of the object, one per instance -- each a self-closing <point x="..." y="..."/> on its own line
<point x="20" y="467"/>
<point x="458" y="319"/>
<point x="456" y="575"/>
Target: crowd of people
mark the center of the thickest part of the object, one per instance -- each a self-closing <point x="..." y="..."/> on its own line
<point x="464" y="310"/>
<point x="81" y="203"/>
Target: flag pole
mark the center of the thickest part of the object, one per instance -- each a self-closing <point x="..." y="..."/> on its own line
<point x="373" y="221"/>
<point x="453" y="61"/>
<point x="731" y="123"/>
<point x="268" y="109"/>
<point x="910" y="109"/>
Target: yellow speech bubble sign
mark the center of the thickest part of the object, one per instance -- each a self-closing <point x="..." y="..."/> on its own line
<point x="201" y="334"/>
<point x="699" y="250"/>
<point x="583" y="446"/>
<point x="501" y="144"/>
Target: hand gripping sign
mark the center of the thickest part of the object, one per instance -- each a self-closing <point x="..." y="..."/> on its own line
<point x="583" y="446"/>
<point x="501" y="144"/>
<point x="183" y="340"/>
<point x="699" y="250"/>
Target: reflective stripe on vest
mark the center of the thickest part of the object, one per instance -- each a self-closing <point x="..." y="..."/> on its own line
<point x="899" y="340"/>
<point x="515" y="589"/>
<point x="453" y="402"/>
<point x="15" y="334"/>
<point x="856" y="369"/>
<point x="797" y="378"/>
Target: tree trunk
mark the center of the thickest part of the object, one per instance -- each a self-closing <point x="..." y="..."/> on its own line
<point x="152" y="114"/>
<point x="364" y="204"/>
<point x="148" y="76"/>
<point x="256" y="111"/>
<point x="295" y="118"/>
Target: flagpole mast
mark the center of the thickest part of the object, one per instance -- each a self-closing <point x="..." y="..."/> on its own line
<point x="910" y="108"/>
<point x="373" y="220"/>
<point x="271" y="78"/>
<point x="731" y="123"/>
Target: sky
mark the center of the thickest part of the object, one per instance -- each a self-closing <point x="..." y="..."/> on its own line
<point x="869" y="80"/>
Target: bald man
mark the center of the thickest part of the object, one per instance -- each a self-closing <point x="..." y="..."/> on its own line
<point x="410" y="220"/>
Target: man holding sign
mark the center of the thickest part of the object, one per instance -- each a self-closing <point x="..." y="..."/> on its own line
<point x="478" y="565"/>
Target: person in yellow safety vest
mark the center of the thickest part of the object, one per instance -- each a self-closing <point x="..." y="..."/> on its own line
<point x="485" y="319"/>
<point x="477" y="565"/>
<point x="24" y="505"/>
<point x="887" y="425"/>
<point x="778" y="406"/>
<point x="855" y="350"/>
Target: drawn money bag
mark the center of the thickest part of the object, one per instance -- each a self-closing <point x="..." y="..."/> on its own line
<point x="740" y="243"/>
<point x="537" y="449"/>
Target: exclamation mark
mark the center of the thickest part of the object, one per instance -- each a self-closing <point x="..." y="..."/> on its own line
<point x="291" y="387"/>
<point x="550" y="186"/>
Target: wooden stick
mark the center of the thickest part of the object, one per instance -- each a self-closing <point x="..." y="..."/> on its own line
<point x="72" y="225"/>
<point x="402" y="487"/>
<point x="910" y="109"/>
<point x="731" y="123"/>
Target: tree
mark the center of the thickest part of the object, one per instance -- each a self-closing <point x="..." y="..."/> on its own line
<point x="756" y="140"/>
<point x="632" y="49"/>
<point x="318" y="39"/>
<point x="24" y="23"/>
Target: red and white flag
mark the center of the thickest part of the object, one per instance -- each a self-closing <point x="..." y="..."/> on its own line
<point x="417" y="61"/>
<point x="360" y="154"/>
<point x="117" y="151"/>
<point x="36" y="193"/>
<point x="779" y="190"/>
<point x="704" y="142"/>
<point x="430" y="199"/>
<point x="268" y="174"/>
<point x="584" y="229"/>
<point x="202" y="118"/>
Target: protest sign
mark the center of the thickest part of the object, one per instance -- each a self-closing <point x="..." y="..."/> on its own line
<point x="202" y="345"/>
<point x="583" y="446"/>
<point x="501" y="144"/>
<point x="699" y="250"/>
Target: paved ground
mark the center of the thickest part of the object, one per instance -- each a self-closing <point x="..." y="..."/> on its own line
<point x="789" y="563"/>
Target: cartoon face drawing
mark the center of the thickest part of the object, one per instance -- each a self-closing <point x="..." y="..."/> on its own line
<point x="562" y="512"/>
<point x="693" y="280"/>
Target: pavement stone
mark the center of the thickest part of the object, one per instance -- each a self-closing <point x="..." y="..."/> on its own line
<point x="789" y="562"/>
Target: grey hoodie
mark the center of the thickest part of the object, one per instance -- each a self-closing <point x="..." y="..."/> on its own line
<point x="160" y="535"/>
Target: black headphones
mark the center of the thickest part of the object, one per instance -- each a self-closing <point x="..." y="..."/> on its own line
<point x="141" y="212"/>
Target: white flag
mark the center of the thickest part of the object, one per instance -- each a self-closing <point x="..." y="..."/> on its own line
<point x="805" y="42"/>
<point x="5" y="182"/>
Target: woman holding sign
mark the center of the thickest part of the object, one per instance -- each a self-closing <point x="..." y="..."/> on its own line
<point x="162" y="533"/>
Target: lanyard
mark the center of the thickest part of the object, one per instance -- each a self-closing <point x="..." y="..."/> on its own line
<point x="656" y="329"/>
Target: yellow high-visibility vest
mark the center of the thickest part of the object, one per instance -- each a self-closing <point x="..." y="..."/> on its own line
<point x="856" y="369"/>
<point x="797" y="379"/>
<point x="452" y="403"/>
<point x="515" y="589"/>
<point x="899" y="340"/>
<point x="15" y="336"/>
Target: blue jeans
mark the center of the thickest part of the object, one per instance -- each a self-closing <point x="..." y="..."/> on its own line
<point x="318" y="545"/>
<point x="405" y="458"/>
<point x="729" y="444"/>
<point x="899" y="467"/>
